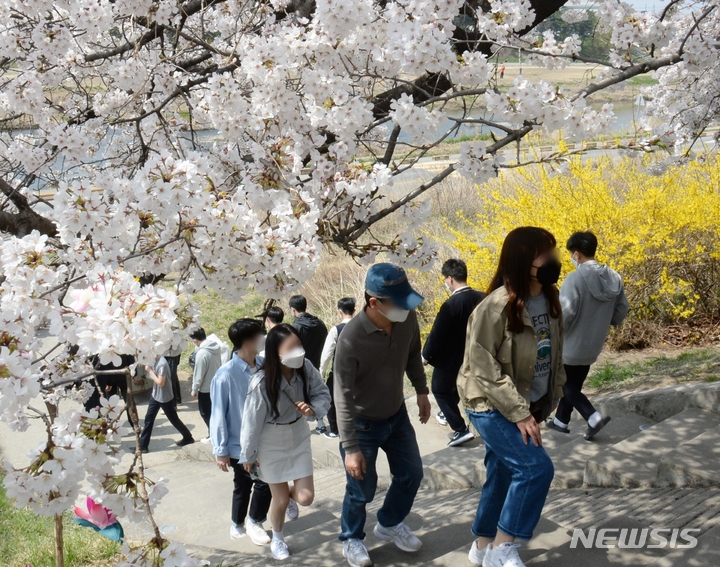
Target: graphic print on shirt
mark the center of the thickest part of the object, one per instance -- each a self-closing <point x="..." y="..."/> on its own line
<point x="542" y="326"/>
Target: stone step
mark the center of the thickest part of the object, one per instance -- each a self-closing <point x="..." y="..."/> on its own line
<point x="662" y="403"/>
<point x="569" y="458"/>
<point x="635" y="462"/>
<point x="573" y="553"/>
<point x="548" y="535"/>
<point x="694" y="463"/>
<point x="705" y="553"/>
<point x="442" y="519"/>
<point x="453" y="468"/>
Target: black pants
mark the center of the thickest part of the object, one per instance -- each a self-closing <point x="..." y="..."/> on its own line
<point x="173" y="363"/>
<point x="118" y="386"/>
<point x="243" y="485"/>
<point x="205" y="407"/>
<point x="444" y="388"/>
<point x="573" y="396"/>
<point x="170" y="412"/>
<point x="332" y="414"/>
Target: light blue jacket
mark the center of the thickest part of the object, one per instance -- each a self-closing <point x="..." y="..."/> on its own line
<point x="228" y="391"/>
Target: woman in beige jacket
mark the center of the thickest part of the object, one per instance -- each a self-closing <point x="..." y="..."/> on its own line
<point x="510" y="381"/>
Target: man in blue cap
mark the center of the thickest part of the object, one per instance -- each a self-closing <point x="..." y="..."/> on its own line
<point x="376" y="349"/>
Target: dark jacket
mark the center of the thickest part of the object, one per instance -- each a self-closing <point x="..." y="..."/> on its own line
<point x="312" y="333"/>
<point x="445" y="345"/>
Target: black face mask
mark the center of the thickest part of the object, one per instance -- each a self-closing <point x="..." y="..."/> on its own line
<point x="549" y="272"/>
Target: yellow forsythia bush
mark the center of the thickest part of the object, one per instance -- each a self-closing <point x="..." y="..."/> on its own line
<point x="659" y="229"/>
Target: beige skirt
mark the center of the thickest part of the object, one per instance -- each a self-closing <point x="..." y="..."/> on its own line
<point x="284" y="452"/>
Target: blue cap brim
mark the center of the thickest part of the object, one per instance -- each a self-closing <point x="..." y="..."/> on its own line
<point x="407" y="301"/>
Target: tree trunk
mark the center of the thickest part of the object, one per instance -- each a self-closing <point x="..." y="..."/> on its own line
<point x="59" y="551"/>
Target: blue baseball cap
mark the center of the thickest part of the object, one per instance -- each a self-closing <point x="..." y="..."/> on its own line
<point x="387" y="281"/>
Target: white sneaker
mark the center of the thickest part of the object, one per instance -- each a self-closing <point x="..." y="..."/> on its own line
<point x="441" y="419"/>
<point x="279" y="549"/>
<point x="400" y="535"/>
<point x="236" y="532"/>
<point x="504" y="555"/>
<point x="292" y="512"/>
<point x="476" y="554"/>
<point x="205" y="440"/>
<point x="257" y="533"/>
<point x="356" y="554"/>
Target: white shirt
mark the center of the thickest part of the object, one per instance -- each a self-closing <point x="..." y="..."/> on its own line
<point x="460" y="289"/>
<point x="329" y="348"/>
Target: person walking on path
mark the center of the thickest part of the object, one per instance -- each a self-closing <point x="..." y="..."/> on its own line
<point x="445" y="347"/>
<point x="592" y="299"/>
<point x="208" y="359"/>
<point x="162" y="398"/>
<point x="273" y="317"/>
<point x="228" y="392"/>
<point x="312" y="330"/>
<point x="374" y="352"/>
<point x="502" y="72"/>
<point x="173" y="359"/>
<point x="275" y="436"/>
<point x="346" y="309"/>
<point x="511" y="379"/>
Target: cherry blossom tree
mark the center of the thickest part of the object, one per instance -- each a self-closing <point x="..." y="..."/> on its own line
<point x="317" y="106"/>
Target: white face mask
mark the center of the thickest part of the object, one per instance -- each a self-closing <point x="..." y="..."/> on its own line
<point x="574" y="261"/>
<point x="260" y="346"/>
<point x="396" y="315"/>
<point x="294" y="359"/>
<point x="448" y="288"/>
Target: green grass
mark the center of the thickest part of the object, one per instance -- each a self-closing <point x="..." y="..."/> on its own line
<point x="27" y="539"/>
<point x="217" y="314"/>
<point x="642" y="80"/>
<point x="687" y="366"/>
<point x="611" y="374"/>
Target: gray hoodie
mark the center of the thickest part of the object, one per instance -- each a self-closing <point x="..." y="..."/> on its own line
<point x="592" y="298"/>
<point x="208" y="359"/>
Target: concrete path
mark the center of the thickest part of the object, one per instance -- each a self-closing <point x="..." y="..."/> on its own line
<point x="657" y="466"/>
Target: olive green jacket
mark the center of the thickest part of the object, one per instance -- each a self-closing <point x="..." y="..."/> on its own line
<point x="498" y="366"/>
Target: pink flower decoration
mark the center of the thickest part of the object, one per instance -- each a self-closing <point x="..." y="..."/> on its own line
<point x="81" y="298"/>
<point x="96" y="514"/>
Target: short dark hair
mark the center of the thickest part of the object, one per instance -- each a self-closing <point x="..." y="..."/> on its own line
<point x="298" y="303"/>
<point x="346" y="305"/>
<point x="198" y="335"/>
<point x="584" y="242"/>
<point x="455" y="269"/>
<point x="242" y="330"/>
<point x="275" y="314"/>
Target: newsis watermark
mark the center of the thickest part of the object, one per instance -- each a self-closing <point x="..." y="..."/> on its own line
<point x="635" y="538"/>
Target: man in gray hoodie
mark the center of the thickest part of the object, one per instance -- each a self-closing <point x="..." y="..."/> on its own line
<point x="592" y="299"/>
<point x="208" y="359"/>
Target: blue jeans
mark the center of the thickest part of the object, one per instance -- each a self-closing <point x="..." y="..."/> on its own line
<point x="396" y="437"/>
<point x="517" y="481"/>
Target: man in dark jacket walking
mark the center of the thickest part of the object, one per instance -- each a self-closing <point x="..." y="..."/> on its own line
<point x="445" y="347"/>
<point x="311" y="329"/>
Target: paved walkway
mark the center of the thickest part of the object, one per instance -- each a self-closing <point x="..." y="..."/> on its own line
<point x="197" y="509"/>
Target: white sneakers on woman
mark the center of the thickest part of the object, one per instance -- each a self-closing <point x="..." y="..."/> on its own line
<point x="292" y="512"/>
<point x="476" y="554"/>
<point x="504" y="555"/>
<point x="279" y="549"/>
